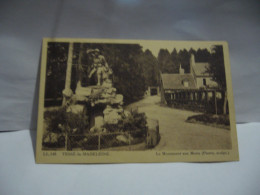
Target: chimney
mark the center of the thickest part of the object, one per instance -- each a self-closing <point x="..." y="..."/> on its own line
<point x="192" y="62"/>
<point x="181" y="70"/>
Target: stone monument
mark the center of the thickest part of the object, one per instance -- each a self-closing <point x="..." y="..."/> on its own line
<point x="100" y="101"/>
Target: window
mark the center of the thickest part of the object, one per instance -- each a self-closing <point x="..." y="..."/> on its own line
<point x="185" y="83"/>
<point x="204" y="82"/>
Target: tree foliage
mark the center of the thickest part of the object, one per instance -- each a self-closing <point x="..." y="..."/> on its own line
<point x="135" y="121"/>
<point x="57" y="55"/>
<point x="133" y="69"/>
<point x="175" y="61"/>
<point x="150" y="68"/>
<point x="170" y="62"/>
<point x="128" y="77"/>
<point x="217" y="68"/>
<point x="184" y="60"/>
<point x="202" y="55"/>
<point x="61" y="121"/>
<point x="165" y="61"/>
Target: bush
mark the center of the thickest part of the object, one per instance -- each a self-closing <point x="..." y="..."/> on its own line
<point x="60" y="121"/>
<point x="133" y="122"/>
<point x="210" y="119"/>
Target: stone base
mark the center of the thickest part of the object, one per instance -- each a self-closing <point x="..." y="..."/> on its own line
<point x="112" y="115"/>
<point x="98" y="95"/>
<point x="76" y="109"/>
<point x="83" y="91"/>
<point x="67" y="92"/>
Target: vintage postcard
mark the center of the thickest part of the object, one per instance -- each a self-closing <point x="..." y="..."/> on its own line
<point x="127" y="101"/>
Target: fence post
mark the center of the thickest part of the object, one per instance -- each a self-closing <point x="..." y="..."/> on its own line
<point x="216" y="106"/>
<point x="66" y="141"/>
<point x="99" y="141"/>
<point x="206" y="101"/>
<point x="129" y="141"/>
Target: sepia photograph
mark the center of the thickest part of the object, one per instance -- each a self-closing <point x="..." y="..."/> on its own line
<point x="105" y="101"/>
<point x="129" y="97"/>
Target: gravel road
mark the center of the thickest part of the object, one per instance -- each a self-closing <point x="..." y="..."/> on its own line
<point x="176" y="134"/>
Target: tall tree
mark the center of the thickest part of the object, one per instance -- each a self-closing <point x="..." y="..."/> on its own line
<point x="175" y="61"/>
<point x="192" y="51"/>
<point x="184" y="59"/>
<point x="57" y="54"/>
<point x="165" y="62"/>
<point x="217" y="69"/>
<point x="150" y="68"/>
<point x="202" y="55"/>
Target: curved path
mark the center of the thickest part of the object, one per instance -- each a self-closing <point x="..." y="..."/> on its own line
<point x="176" y="134"/>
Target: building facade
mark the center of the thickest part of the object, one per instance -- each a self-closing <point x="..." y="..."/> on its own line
<point x="199" y="70"/>
<point x="195" y="89"/>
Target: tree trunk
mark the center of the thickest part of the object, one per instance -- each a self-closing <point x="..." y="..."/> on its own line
<point x="225" y="103"/>
<point x="215" y="101"/>
<point x="67" y="92"/>
<point x="80" y="67"/>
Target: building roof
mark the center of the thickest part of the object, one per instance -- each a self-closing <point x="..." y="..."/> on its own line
<point x="200" y="68"/>
<point x="176" y="81"/>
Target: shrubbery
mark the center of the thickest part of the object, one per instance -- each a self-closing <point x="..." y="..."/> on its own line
<point x="210" y="119"/>
<point x="133" y="122"/>
<point x="60" y="121"/>
<point x="76" y="126"/>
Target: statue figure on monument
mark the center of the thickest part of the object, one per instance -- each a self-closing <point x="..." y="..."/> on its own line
<point x="99" y="66"/>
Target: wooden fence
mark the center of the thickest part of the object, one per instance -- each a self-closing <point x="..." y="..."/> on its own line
<point x="204" y="100"/>
<point x="98" y="141"/>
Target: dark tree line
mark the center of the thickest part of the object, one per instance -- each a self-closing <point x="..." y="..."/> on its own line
<point x="170" y="62"/>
